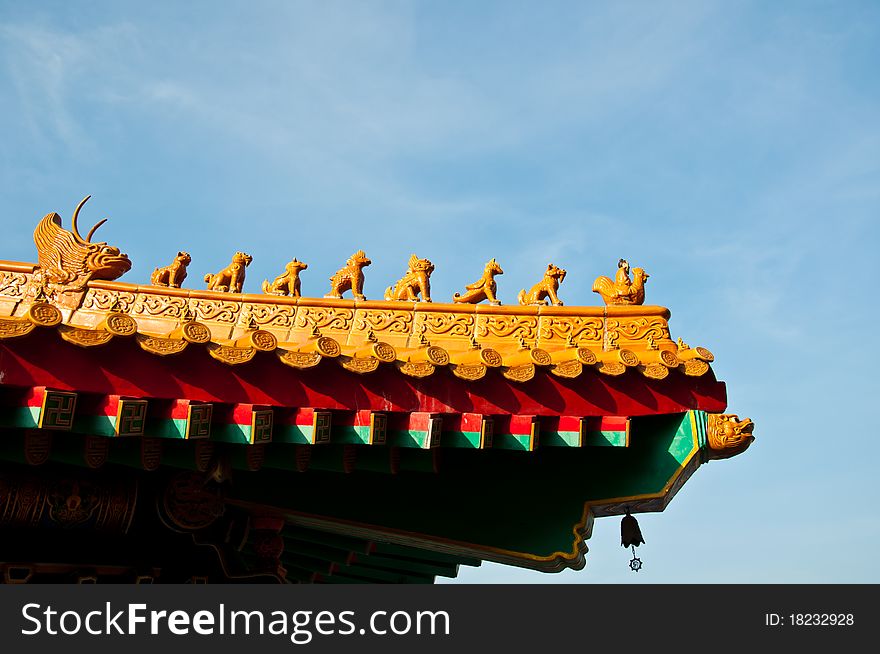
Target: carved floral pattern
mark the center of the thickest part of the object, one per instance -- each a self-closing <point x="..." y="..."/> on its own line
<point x="451" y="324"/>
<point x="520" y="373"/>
<point x="98" y="298"/>
<point x="575" y="328"/>
<point x="216" y="310"/>
<point x="299" y="359"/>
<point x="161" y="346"/>
<point x="525" y="327"/>
<point x="160" y="305"/>
<point x="416" y="368"/>
<point x="325" y="317"/>
<point x="396" y="322"/>
<point x="13" y="284"/>
<point x="568" y="369"/>
<point x="638" y="329"/>
<point x="272" y="315"/>
<point x="470" y="372"/>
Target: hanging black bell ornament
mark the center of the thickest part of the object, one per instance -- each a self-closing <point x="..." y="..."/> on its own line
<point x="630" y="534"/>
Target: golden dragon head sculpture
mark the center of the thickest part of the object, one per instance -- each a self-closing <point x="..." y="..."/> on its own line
<point x="67" y="261"/>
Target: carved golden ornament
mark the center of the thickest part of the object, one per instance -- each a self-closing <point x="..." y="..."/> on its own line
<point x="416" y="281"/>
<point x="521" y="373"/>
<point x="586" y="356"/>
<point x="569" y="369"/>
<point x="335" y="318"/>
<point x="84" y="337"/>
<point x="437" y="355"/>
<point x="67" y="261"/>
<point x="13" y="327"/>
<point x="231" y="278"/>
<point x="13" y="284"/>
<point x="98" y="298"/>
<point x="350" y="277"/>
<point x="682" y="345"/>
<point x="390" y="320"/>
<point x="637" y="329"/>
<point x="215" y="310"/>
<point x="623" y="290"/>
<point x="120" y="324"/>
<point x="470" y="372"/>
<point x="727" y="435"/>
<point x="695" y="368"/>
<point x="160" y="305"/>
<point x="44" y="314"/>
<point x="416" y="368"/>
<point x="546" y="289"/>
<point x="668" y="358"/>
<point x="195" y="332"/>
<point x="231" y="355"/>
<point x="482" y="289"/>
<point x="173" y="274"/>
<point x="491" y="358"/>
<point x="161" y="346"/>
<point x="705" y="354"/>
<point x="628" y="358"/>
<point x="572" y="328"/>
<point x="272" y="315"/>
<point x="299" y="359"/>
<point x="613" y="368"/>
<point x="328" y="347"/>
<point x="287" y="283"/>
<point x="384" y="352"/>
<point x="445" y="324"/>
<point x="540" y="357"/>
<point x="655" y="371"/>
<point x="261" y="340"/>
<point x="525" y="327"/>
<point x="359" y="365"/>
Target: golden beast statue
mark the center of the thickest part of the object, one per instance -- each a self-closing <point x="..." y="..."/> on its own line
<point x="727" y="435"/>
<point x="287" y="283"/>
<point x="482" y="289"/>
<point x="231" y="278"/>
<point x="67" y="261"/>
<point x="544" y="289"/>
<point x="416" y="280"/>
<point x="174" y="274"/>
<point x="350" y="277"/>
<point x="622" y="290"/>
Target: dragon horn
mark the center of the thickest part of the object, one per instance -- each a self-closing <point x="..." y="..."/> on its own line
<point x="94" y="229"/>
<point x="75" y="216"/>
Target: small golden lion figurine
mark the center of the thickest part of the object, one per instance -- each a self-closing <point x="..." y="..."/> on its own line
<point x="546" y="288"/>
<point x="482" y="289"/>
<point x="231" y="278"/>
<point x="174" y="274"/>
<point x="287" y="283"/>
<point x="416" y="280"/>
<point x="622" y="290"/>
<point x="350" y="277"/>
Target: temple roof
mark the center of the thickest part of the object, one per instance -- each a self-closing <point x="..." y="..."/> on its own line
<point x="415" y="338"/>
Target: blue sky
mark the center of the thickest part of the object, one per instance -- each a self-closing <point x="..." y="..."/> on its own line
<point x="730" y="148"/>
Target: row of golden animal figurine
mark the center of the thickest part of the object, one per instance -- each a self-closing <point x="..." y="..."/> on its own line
<point x="623" y="290"/>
